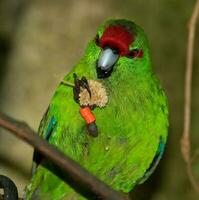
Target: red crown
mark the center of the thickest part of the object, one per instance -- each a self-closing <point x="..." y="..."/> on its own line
<point x="118" y="37"/>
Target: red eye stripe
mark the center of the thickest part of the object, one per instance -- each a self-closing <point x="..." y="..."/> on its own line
<point x="117" y="37"/>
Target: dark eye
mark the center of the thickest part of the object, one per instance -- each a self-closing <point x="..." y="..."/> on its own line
<point x="97" y="40"/>
<point x="136" y="53"/>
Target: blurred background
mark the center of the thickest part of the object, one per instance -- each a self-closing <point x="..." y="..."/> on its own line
<point x="41" y="40"/>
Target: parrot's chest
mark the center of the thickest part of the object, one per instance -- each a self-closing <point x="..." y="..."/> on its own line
<point x="119" y="123"/>
<point x="115" y="109"/>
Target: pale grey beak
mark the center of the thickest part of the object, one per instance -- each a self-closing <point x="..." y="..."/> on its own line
<point x="107" y="59"/>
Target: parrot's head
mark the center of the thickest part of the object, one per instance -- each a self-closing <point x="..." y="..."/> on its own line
<point x="120" y="47"/>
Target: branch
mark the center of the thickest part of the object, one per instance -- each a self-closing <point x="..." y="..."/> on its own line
<point x="74" y="175"/>
<point x="185" y="140"/>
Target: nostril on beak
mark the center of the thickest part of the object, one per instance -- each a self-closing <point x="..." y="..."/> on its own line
<point x="107" y="59"/>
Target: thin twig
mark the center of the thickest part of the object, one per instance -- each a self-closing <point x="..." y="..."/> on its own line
<point x="67" y="83"/>
<point x="185" y="140"/>
<point x="74" y="175"/>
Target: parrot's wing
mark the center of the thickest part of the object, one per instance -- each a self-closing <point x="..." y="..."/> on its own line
<point x="45" y="130"/>
<point x="154" y="163"/>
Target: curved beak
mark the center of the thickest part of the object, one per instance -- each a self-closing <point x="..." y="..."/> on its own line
<point x="107" y="59"/>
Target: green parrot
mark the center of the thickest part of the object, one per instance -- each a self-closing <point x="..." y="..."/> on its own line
<point x="109" y="114"/>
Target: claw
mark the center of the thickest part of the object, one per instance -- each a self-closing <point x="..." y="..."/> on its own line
<point x="78" y="84"/>
<point x="76" y="89"/>
<point x="86" y="85"/>
<point x="75" y="77"/>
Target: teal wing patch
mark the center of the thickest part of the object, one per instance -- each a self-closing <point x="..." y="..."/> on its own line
<point x="50" y="128"/>
<point x="37" y="157"/>
<point x="154" y="163"/>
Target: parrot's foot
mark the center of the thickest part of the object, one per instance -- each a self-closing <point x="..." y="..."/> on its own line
<point x="92" y="129"/>
<point x="85" y="111"/>
<point x="80" y="83"/>
<point x="89" y="118"/>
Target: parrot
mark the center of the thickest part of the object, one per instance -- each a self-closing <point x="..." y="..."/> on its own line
<point x="109" y="114"/>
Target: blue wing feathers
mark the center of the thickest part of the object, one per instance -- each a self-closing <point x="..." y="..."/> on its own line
<point x="37" y="157"/>
<point x="155" y="161"/>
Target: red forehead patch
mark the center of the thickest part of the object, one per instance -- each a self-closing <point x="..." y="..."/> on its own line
<point x="117" y="37"/>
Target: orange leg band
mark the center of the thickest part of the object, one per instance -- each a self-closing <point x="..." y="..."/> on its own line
<point x="87" y="115"/>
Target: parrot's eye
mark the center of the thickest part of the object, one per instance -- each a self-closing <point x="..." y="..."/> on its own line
<point x="97" y="40"/>
<point x="136" y="53"/>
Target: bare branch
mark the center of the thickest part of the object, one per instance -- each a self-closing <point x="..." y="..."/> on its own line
<point x="74" y="175"/>
<point x="185" y="140"/>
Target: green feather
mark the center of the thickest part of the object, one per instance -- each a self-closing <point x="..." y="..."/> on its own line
<point x="130" y="126"/>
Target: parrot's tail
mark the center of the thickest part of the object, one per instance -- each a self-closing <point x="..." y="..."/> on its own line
<point x="10" y="189"/>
